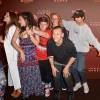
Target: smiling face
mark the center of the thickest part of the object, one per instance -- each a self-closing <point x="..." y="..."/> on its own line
<point x="43" y="26"/>
<point x="55" y="20"/>
<point x="58" y="35"/>
<point x="7" y="18"/>
<point x="79" y="20"/>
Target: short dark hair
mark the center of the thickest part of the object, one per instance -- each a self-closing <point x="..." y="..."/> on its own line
<point x="43" y="19"/>
<point x="57" y="27"/>
<point x="29" y="18"/>
<point x="78" y="13"/>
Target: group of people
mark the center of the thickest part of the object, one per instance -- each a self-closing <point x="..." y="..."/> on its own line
<point x="48" y="52"/>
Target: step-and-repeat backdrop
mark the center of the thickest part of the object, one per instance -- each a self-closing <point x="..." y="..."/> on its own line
<point x="65" y="9"/>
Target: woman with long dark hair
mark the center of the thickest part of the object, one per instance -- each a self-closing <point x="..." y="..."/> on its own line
<point x="10" y="18"/>
<point x="27" y="60"/>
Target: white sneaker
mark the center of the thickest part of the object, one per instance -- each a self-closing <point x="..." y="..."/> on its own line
<point x="64" y="89"/>
<point x="77" y="86"/>
<point x="47" y="90"/>
<point x="86" y="87"/>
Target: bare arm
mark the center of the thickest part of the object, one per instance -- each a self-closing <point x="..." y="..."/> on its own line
<point x="54" y="69"/>
<point x="51" y="60"/>
<point x="70" y="62"/>
<point x="14" y="39"/>
<point x="40" y="33"/>
<point x="1" y="39"/>
<point x="67" y="66"/>
<point x="34" y="37"/>
<point x="16" y="46"/>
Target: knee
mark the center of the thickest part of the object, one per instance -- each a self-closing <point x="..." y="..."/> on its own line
<point x="81" y="70"/>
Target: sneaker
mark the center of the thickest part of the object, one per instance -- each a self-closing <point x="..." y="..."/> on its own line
<point x="64" y="89"/>
<point x="77" y="87"/>
<point x="47" y="90"/>
<point x="1" y="95"/>
<point x="86" y="87"/>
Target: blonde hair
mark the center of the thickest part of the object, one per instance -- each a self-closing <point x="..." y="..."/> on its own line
<point x="59" y="18"/>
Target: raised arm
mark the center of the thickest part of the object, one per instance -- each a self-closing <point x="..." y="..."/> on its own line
<point x="34" y="37"/>
<point x="93" y="40"/>
<point x="40" y="33"/>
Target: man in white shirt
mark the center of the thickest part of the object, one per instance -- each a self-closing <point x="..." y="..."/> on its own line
<point x="81" y="35"/>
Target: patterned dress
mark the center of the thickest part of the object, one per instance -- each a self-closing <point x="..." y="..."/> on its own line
<point x="31" y="83"/>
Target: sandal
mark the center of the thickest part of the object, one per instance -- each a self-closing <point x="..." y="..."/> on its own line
<point x="47" y="92"/>
<point x="16" y="93"/>
<point x="1" y="94"/>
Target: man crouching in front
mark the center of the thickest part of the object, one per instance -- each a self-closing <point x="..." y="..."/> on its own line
<point x="61" y="54"/>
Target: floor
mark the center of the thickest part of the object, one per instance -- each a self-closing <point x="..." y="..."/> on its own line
<point x="94" y="93"/>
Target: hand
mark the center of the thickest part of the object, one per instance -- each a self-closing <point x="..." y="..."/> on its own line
<point x="29" y="31"/>
<point x="54" y="71"/>
<point x="22" y="56"/>
<point x="34" y="29"/>
<point x="1" y="39"/>
<point x="66" y="72"/>
<point x="99" y="54"/>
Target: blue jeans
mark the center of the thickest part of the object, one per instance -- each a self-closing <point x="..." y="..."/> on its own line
<point x="78" y="70"/>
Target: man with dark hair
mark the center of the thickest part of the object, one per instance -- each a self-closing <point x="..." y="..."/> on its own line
<point x="61" y="54"/>
<point x="81" y="35"/>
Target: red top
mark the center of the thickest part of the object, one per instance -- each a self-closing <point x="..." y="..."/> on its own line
<point x="42" y="54"/>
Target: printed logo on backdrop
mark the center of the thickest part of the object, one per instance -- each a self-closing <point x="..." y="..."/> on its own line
<point x="60" y="1"/>
<point x="94" y="69"/>
<point x="95" y="24"/>
<point x="41" y="12"/>
<point x="26" y="1"/>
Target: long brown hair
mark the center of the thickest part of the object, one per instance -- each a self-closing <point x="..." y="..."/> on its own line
<point x="13" y="20"/>
<point x="30" y="21"/>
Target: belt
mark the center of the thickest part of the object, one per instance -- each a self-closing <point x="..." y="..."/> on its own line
<point x="57" y="63"/>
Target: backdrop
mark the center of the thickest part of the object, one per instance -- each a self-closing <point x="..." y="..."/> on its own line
<point x="64" y="8"/>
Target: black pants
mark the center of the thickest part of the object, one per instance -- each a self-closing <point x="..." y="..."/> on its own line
<point x="57" y="84"/>
<point x="45" y="70"/>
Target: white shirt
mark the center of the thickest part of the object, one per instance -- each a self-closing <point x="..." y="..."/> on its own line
<point x="11" y="52"/>
<point x="81" y="36"/>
